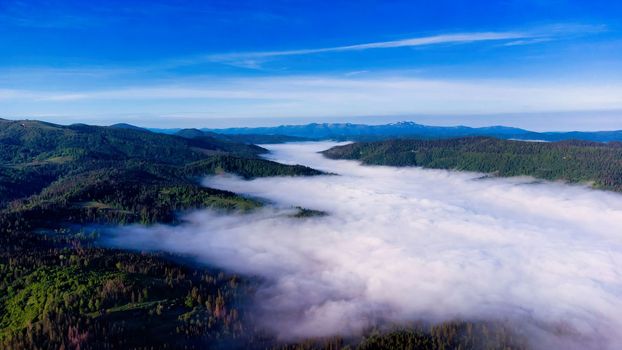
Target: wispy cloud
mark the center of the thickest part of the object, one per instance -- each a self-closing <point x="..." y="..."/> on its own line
<point x="419" y="93"/>
<point x="527" y="41"/>
<point x="326" y="96"/>
<point x="459" y="38"/>
<point x="512" y="38"/>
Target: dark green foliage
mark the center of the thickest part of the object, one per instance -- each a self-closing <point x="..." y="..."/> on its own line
<point x="239" y="138"/>
<point x="262" y="139"/>
<point x="59" y="292"/>
<point x="445" y="336"/>
<point x="219" y="146"/>
<point x="234" y="141"/>
<point x="33" y="153"/>
<point x="247" y="168"/>
<point x="81" y="172"/>
<point x="36" y="142"/>
<point x="308" y="213"/>
<point x="599" y="164"/>
<point x="451" y="335"/>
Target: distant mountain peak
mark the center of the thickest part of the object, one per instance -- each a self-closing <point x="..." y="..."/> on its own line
<point x="190" y="133"/>
<point x="411" y="129"/>
<point x="406" y="122"/>
<point x="126" y="126"/>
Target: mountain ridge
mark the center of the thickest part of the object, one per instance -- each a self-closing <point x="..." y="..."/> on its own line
<point x="410" y="129"/>
<point x="366" y="132"/>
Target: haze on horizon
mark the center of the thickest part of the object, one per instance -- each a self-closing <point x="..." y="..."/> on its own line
<point x="539" y="65"/>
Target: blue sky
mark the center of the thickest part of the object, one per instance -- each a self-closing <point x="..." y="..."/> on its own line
<point x="531" y="63"/>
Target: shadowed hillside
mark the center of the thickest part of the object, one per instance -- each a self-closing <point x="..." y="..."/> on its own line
<point x="81" y="163"/>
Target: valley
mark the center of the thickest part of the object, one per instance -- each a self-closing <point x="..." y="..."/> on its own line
<point x="194" y="241"/>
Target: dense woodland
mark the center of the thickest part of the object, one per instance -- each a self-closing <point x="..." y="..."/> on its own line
<point x="58" y="290"/>
<point x="240" y="138"/>
<point x="60" y="186"/>
<point x="596" y="164"/>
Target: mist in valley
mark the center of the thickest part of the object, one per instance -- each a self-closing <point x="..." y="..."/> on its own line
<point x="410" y="244"/>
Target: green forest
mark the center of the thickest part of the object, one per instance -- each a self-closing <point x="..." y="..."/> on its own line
<point x="596" y="164"/>
<point x="61" y="185"/>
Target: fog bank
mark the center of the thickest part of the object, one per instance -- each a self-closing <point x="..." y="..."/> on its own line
<point x="405" y="244"/>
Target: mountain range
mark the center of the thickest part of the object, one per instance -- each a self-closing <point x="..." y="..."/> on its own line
<point x="406" y="129"/>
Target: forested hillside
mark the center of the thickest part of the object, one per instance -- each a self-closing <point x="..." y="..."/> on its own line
<point x="42" y="162"/>
<point x="597" y="164"/>
<point x="238" y="138"/>
<point x="57" y="290"/>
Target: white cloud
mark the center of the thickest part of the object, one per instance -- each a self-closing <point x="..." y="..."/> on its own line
<point x="527" y="41"/>
<point x="11" y="94"/>
<point x="409" y="244"/>
<point x="459" y="38"/>
<point x="307" y="96"/>
<point x="533" y="36"/>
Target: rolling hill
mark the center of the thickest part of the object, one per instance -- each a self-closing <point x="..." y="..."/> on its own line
<point x="44" y="166"/>
<point x="597" y="164"/>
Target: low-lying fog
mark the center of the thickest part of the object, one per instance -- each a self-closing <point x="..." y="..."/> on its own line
<point x="406" y="244"/>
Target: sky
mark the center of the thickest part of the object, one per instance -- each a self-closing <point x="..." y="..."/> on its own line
<point x="538" y="64"/>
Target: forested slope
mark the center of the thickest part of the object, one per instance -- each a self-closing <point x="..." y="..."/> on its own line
<point x="598" y="164"/>
<point x="119" y="170"/>
<point x="57" y="290"/>
<point x="239" y="138"/>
